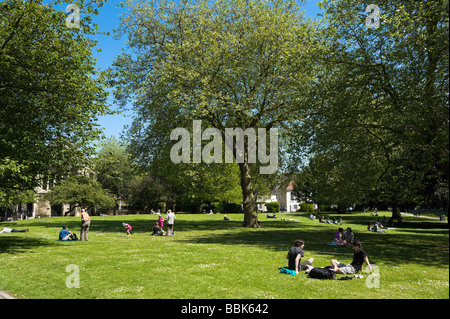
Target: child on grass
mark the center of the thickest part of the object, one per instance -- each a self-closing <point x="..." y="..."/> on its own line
<point x="128" y="228"/>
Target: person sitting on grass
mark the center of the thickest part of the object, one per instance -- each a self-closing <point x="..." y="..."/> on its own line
<point x="295" y="255"/>
<point x="64" y="234"/>
<point x="338" y="236"/>
<point x="359" y="257"/>
<point x="348" y="236"/>
<point x="157" y="231"/>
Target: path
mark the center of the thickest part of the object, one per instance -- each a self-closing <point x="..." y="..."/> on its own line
<point x="429" y="217"/>
<point x="5" y="295"/>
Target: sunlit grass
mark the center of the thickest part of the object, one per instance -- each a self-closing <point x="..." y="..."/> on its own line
<point x="212" y="258"/>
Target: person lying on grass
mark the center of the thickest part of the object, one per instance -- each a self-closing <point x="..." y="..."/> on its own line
<point x="12" y="230"/>
<point x="295" y="255"/>
<point x="359" y="257"/>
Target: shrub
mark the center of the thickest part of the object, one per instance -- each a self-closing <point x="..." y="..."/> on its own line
<point x="273" y="207"/>
<point x="231" y="208"/>
<point x="304" y="207"/>
<point x="217" y="207"/>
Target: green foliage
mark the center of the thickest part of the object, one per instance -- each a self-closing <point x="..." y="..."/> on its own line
<point x="50" y="93"/>
<point x="306" y="207"/>
<point x="231" y="64"/>
<point x="81" y="191"/>
<point x="231" y="208"/>
<point x="377" y="128"/>
<point x="216" y="256"/>
<point x="115" y="170"/>
<point x="217" y="207"/>
<point x="273" y="207"/>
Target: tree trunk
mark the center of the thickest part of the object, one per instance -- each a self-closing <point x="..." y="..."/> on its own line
<point x="249" y="198"/>
<point x="396" y="212"/>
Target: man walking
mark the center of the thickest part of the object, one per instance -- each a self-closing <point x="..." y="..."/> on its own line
<point x="170" y="221"/>
<point x="85" y="223"/>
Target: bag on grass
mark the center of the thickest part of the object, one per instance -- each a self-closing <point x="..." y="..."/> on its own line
<point x="287" y="271"/>
<point x="322" y="273"/>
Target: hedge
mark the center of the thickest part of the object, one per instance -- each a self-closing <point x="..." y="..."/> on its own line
<point x="304" y="207"/>
<point x="273" y="207"/>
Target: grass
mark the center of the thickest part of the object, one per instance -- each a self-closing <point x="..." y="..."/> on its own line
<point x="209" y="258"/>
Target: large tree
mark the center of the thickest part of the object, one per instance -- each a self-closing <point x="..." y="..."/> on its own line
<point x="50" y="94"/>
<point x="114" y="168"/>
<point x="231" y="64"/>
<point x="381" y="106"/>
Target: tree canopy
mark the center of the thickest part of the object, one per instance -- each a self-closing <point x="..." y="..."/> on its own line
<point x="50" y="94"/>
<point x="232" y="64"/>
<point x="82" y="191"/>
<point x="380" y="112"/>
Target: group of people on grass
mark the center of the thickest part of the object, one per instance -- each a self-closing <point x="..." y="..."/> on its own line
<point x="159" y="225"/>
<point x="296" y="253"/>
<point x="342" y="238"/>
<point x="65" y="234"/>
<point x="325" y="219"/>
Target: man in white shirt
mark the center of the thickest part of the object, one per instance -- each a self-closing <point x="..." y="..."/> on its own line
<point x="170" y="221"/>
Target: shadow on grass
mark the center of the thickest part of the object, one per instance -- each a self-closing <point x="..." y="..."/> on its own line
<point x="418" y="241"/>
<point x="395" y="248"/>
<point x="15" y="244"/>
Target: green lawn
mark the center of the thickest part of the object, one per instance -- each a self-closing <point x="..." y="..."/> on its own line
<point x="212" y="258"/>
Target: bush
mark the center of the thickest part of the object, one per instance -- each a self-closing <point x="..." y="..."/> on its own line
<point x="217" y="207"/>
<point x="231" y="208"/>
<point x="304" y="207"/>
<point x="273" y="207"/>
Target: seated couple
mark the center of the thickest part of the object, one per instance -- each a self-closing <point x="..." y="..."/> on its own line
<point x="296" y="253"/>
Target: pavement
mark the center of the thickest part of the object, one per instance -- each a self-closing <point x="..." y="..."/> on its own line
<point x="5" y="295"/>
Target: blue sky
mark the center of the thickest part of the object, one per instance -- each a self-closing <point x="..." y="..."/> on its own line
<point x="107" y="20"/>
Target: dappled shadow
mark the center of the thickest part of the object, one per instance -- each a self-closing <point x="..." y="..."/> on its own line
<point x="13" y="244"/>
<point x="419" y="241"/>
<point x="389" y="248"/>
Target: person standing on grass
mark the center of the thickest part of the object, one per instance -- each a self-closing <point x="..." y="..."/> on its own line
<point x="85" y="223"/>
<point x="295" y="255"/>
<point x="170" y="221"/>
<point x="128" y="228"/>
<point x="160" y="222"/>
<point x="359" y="257"/>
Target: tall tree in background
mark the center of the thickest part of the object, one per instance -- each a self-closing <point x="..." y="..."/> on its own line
<point x="231" y="64"/>
<point x="381" y="106"/>
<point x="49" y="95"/>
<point x="80" y="191"/>
<point x="114" y="168"/>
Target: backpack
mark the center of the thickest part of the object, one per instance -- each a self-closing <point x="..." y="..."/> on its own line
<point x="322" y="273"/>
